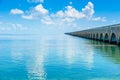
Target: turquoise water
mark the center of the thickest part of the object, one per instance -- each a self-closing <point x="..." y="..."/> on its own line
<point x="58" y="58"/>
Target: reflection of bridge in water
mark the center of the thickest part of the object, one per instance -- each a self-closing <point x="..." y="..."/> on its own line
<point x="109" y="51"/>
<point x="109" y="33"/>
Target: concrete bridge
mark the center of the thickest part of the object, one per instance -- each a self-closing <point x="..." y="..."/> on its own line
<point x="109" y="33"/>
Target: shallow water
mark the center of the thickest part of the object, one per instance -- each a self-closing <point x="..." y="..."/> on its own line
<point x="58" y="58"/>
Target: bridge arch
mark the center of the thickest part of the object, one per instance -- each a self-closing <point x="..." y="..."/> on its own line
<point x="97" y="36"/>
<point x="89" y="36"/>
<point x="101" y="36"/>
<point x="106" y="37"/>
<point x="113" y="38"/>
<point x="93" y="36"/>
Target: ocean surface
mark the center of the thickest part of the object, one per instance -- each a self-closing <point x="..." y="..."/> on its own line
<point x="29" y="57"/>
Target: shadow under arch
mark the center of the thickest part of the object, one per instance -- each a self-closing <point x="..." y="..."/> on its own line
<point x="93" y="36"/>
<point x="113" y="38"/>
<point x="106" y="38"/>
<point x="101" y="37"/>
<point x="97" y="36"/>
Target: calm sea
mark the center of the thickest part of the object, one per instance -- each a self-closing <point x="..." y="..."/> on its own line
<point x="57" y="58"/>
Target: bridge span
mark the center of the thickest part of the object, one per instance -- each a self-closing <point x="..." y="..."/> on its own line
<point x="109" y="33"/>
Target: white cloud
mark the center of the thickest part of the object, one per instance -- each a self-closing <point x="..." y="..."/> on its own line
<point x="73" y="13"/>
<point x="37" y="12"/>
<point x="70" y="14"/>
<point x="41" y="9"/>
<point x="88" y="10"/>
<point x="67" y="16"/>
<point x="103" y="19"/>
<point x="30" y="17"/>
<point x="96" y="19"/>
<point x="68" y="19"/>
<point x="47" y="20"/>
<point x="36" y="1"/>
<point x="16" y="11"/>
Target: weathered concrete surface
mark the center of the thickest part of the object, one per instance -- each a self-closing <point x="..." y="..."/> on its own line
<point x="109" y="33"/>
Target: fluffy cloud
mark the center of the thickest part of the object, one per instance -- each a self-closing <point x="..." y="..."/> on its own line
<point x="41" y="9"/>
<point x="36" y="1"/>
<point x="88" y="11"/>
<point x="70" y="12"/>
<point x="37" y="12"/>
<point x="16" y="11"/>
<point x="47" y="20"/>
<point x="68" y="15"/>
<point x="30" y="17"/>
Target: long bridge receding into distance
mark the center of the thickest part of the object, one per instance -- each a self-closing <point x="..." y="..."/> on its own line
<point x="110" y="34"/>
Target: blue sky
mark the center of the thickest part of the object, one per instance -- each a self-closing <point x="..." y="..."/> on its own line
<point x="56" y="16"/>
